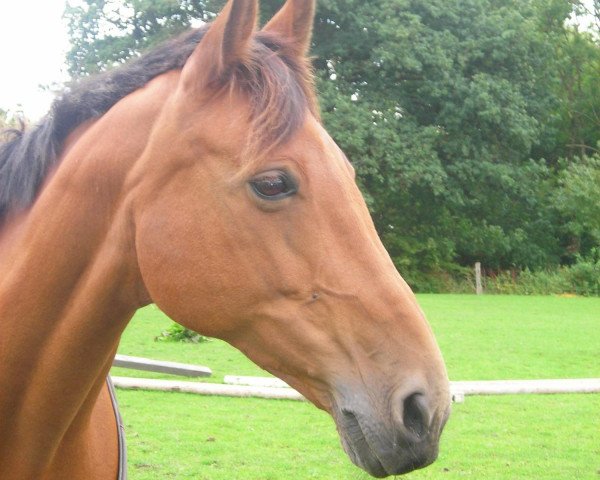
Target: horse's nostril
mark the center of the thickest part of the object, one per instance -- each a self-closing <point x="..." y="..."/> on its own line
<point x="415" y="414"/>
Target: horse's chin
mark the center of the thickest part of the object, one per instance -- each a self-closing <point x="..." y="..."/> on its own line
<point x="358" y="450"/>
<point x="378" y="452"/>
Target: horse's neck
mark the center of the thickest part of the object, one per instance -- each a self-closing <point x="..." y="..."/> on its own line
<point x="69" y="284"/>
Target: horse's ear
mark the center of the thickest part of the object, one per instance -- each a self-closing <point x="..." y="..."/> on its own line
<point x="226" y="43"/>
<point x="294" y="23"/>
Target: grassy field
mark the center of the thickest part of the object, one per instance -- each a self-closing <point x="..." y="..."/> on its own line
<point x="173" y="435"/>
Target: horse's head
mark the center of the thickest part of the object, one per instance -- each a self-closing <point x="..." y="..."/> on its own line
<point x="250" y="227"/>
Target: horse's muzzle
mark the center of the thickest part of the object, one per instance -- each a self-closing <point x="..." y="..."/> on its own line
<point x="406" y="440"/>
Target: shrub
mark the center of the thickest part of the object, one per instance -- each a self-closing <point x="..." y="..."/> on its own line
<point x="461" y="280"/>
<point x="581" y="278"/>
<point x="177" y="333"/>
<point x="584" y="277"/>
<point x="528" y="283"/>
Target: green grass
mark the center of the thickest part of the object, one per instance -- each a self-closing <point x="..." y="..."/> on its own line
<point x="509" y="337"/>
<point x="172" y="435"/>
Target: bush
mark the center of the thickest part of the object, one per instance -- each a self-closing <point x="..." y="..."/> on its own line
<point x="459" y="280"/>
<point x="177" y="333"/>
<point x="528" y="283"/>
<point x="582" y="278"/>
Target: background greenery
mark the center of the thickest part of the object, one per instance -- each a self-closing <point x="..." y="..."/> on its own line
<point x="473" y="124"/>
<point x="174" y="435"/>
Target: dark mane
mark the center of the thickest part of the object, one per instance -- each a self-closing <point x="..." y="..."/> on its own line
<point x="279" y="88"/>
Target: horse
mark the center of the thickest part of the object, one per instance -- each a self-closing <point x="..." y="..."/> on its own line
<point x="199" y="177"/>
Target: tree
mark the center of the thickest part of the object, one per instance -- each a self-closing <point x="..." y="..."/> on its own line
<point x="577" y="201"/>
<point x="9" y="121"/>
<point x="577" y="70"/>
<point x="104" y="33"/>
<point x="466" y="86"/>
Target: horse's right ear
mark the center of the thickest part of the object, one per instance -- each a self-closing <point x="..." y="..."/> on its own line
<point x="294" y="23"/>
<point x="226" y="43"/>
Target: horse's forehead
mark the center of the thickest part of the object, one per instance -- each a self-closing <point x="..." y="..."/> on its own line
<point x="313" y="143"/>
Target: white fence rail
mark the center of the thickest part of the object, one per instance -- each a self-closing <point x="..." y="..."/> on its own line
<point x="263" y="387"/>
<point x="160" y="366"/>
<point x="206" y="388"/>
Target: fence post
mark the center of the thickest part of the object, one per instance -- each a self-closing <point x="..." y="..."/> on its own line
<point x="478" y="287"/>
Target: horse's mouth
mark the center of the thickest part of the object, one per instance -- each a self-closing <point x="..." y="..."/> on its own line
<point x="356" y="446"/>
<point x="369" y="450"/>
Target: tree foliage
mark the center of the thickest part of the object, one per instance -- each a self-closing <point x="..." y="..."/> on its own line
<point x="577" y="201"/>
<point x="7" y="120"/>
<point x="104" y="33"/>
<point x="10" y="123"/>
<point x="470" y="122"/>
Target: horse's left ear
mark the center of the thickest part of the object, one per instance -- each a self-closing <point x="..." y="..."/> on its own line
<point x="226" y="43"/>
<point x="294" y="23"/>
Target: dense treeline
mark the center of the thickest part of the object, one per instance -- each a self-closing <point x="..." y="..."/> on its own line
<point x="474" y="125"/>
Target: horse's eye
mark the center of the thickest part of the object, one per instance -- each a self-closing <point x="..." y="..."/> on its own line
<point x="273" y="185"/>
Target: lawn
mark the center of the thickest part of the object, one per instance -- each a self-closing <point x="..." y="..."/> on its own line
<point x="173" y="435"/>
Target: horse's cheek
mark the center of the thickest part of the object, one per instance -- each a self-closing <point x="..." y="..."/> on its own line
<point x="195" y="285"/>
